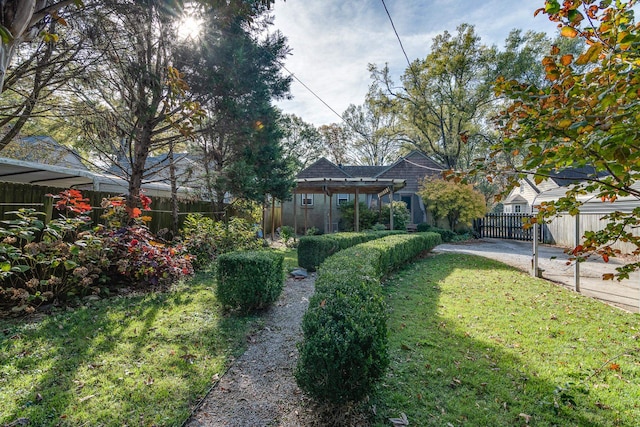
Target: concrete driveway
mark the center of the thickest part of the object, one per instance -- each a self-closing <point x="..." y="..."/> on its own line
<point x="553" y="261"/>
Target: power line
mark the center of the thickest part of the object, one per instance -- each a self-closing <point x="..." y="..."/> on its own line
<point x="397" y="35"/>
<point x="312" y="92"/>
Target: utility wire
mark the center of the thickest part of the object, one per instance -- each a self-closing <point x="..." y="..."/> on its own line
<point x="397" y="35"/>
<point x="312" y="92"/>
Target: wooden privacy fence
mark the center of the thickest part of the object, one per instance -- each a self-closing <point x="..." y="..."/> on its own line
<point x="14" y="196"/>
<point x="504" y="226"/>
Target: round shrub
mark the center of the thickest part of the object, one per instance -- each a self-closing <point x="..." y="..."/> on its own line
<point x="249" y="280"/>
<point x="345" y="348"/>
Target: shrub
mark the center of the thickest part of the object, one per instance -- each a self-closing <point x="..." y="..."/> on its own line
<point x="401" y="215"/>
<point x="138" y="259"/>
<point x="447" y="235"/>
<point x="378" y="227"/>
<point x="249" y="280"/>
<point x="344" y="349"/>
<point x="313" y="250"/>
<point x="367" y="217"/>
<point x="40" y="263"/>
<point x="205" y="238"/>
<point x="287" y="233"/>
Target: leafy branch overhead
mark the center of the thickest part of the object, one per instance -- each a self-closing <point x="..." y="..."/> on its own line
<point x="585" y="113"/>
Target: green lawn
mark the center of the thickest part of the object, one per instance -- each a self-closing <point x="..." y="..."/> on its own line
<point x="476" y="343"/>
<point x="143" y="360"/>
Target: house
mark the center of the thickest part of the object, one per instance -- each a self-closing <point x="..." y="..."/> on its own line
<point x="43" y="149"/>
<point x="522" y="199"/>
<point x="323" y="186"/>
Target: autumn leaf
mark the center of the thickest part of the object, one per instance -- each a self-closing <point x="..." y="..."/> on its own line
<point x="569" y="32"/>
<point x="614" y="367"/>
<point x="566" y="59"/>
<point x="605" y="257"/>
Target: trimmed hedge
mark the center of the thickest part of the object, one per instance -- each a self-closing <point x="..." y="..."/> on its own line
<point x="344" y="350"/>
<point x="249" y="280"/>
<point x="313" y="250"/>
<point x="447" y="235"/>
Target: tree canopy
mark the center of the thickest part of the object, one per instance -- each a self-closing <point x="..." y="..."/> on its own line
<point x="585" y="113"/>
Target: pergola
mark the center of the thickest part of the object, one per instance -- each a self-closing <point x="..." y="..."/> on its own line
<point x="357" y="186"/>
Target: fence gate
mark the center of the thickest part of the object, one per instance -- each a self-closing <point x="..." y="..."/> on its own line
<point x="504" y="226"/>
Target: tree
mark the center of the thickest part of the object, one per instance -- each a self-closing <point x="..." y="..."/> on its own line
<point x="130" y="100"/>
<point x="372" y="130"/>
<point x="458" y="203"/>
<point x="335" y="143"/>
<point x="23" y="20"/>
<point x="443" y="95"/>
<point x="234" y="73"/>
<point x="586" y="113"/>
<point x="301" y="142"/>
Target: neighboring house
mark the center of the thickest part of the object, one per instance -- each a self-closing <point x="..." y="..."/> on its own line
<point x="323" y="186"/>
<point x="188" y="169"/>
<point x="522" y="199"/>
<point x="40" y="160"/>
<point x="563" y="228"/>
<point x="43" y="149"/>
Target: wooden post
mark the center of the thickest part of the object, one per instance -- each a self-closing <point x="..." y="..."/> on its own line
<point x="324" y="214"/>
<point x="48" y="209"/>
<point x="306" y="213"/>
<point x="273" y="219"/>
<point x="357" y="211"/>
<point x="391" y="209"/>
<point x="330" y="213"/>
<point x="295" y="216"/>
<point x="576" y="265"/>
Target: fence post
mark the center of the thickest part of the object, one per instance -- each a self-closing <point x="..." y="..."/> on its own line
<point x="576" y="266"/>
<point x="48" y="208"/>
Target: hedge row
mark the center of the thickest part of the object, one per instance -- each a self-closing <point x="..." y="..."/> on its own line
<point x="344" y="347"/>
<point x="249" y="280"/>
<point x="313" y="250"/>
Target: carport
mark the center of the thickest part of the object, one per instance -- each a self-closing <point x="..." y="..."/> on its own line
<point x="330" y="186"/>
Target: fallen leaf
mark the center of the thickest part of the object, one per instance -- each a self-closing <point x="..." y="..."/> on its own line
<point x="400" y="422"/>
<point x="149" y="381"/>
<point x="526" y="417"/>
<point x="87" y="397"/>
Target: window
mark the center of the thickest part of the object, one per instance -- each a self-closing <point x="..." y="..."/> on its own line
<point x="517" y="208"/>
<point x="343" y="198"/>
<point x="306" y="200"/>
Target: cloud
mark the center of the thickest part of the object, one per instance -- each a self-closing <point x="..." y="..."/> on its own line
<point x="333" y="41"/>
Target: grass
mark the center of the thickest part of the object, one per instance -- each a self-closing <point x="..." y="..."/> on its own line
<point x="143" y="360"/>
<point x="477" y="343"/>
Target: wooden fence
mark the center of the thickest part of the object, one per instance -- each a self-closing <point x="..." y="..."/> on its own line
<point x="504" y="226"/>
<point x="14" y="196"/>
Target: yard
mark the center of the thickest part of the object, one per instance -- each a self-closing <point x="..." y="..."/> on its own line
<point x="474" y="342"/>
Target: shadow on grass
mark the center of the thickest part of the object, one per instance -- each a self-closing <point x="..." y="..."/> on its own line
<point x="144" y="359"/>
<point x="450" y="372"/>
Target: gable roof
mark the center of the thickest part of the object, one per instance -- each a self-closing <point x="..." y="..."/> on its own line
<point x="43" y="149"/>
<point x="323" y="168"/>
<point x="415" y="160"/>
<point x="364" y="171"/>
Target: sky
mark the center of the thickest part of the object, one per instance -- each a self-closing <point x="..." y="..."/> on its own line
<point x="333" y="41"/>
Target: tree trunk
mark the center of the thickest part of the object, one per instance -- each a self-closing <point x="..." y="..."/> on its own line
<point x="174" y="192"/>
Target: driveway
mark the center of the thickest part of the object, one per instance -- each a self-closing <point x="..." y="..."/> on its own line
<point x="553" y="262"/>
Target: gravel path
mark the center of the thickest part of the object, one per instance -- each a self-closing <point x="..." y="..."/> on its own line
<point x="259" y="389"/>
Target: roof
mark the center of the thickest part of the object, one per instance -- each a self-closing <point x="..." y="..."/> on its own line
<point x="348" y="185"/>
<point x="591" y="203"/>
<point x="12" y="170"/>
<point x="568" y="176"/>
<point x="43" y="149"/>
<point x="364" y="171"/>
<point x="515" y="200"/>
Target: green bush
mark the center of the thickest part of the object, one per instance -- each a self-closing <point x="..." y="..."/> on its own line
<point x="447" y="235"/>
<point x="344" y="349"/>
<point x="401" y="215"/>
<point x="249" y="280"/>
<point x="367" y="217"/>
<point x="313" y="250"/>
<point x="205" y="238"/>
